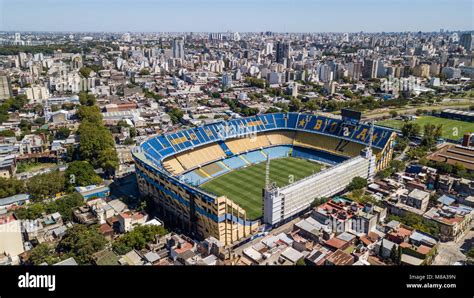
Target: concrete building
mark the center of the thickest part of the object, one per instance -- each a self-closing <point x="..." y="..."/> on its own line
<point x="178" y="48"/>
<point x="467" y="41"/>
<point x="5" y="87"/>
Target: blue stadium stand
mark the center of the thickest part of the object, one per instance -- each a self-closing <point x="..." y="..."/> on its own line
<point x="268" y="121"/>
<point x="317" y="155"/>
<point x="292" y="120"/>
<point x="223" y="171"/>
<point x="225" y="148"/>
<point x="255" y="156"/>
<point x="234" y="162"/>
<point x="277" y="152"/>
<point x="193" y="178"/>
<point x="279" y="120"/>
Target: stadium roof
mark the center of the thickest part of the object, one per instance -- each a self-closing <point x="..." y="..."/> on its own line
<point x="457" y="112"/>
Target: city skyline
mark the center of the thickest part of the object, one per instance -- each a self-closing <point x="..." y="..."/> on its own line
<point x="245" y="16"/>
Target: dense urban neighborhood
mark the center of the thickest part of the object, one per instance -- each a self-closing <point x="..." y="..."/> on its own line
<point x="234" y="148"/>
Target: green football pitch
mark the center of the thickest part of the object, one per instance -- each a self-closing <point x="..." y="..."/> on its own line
<point x="244" y="186"/>
<point x="452" y="129"/>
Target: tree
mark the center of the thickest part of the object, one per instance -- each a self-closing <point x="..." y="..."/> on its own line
<point x="128" y="141"/>
<point x="81" y="173"/>
<point x="138" y="238"/>
<point x="357" y="183"/>
<point x="393" y="114"/>
<point x="81" y="242"/>
<point x="417" y="152"/>
<point x="47" y="185"/>
<point x="401" y="144"/>
<point x="43" y="252"/>
<point x="397" y="165"/>
<point x="272" y="110"/>
<point x="96" y="143"/>
<point x="301" y="262"/>
<point x="10" y="187"/>
<point x="431" y="134"/>
<point x="87" y="99"/>
<point x="108" y="160"/>
<point x="385" y="173"/>
<point x="85" y="71"/>
<point x="470" y="253"/>
<point x="89" y="113"/>
<point x="410" y="130"/>
<point x="176" y="115"/>
<point x="94" y="138"/>
<point x="62" y="133"/>
<point x="459" y="169"/>
<point x="7" y="133"/>
<point x="254" y="82"/>
<point x="144" y="72"/>
<point x="312" y="105"/>
<point x="394" y="254"/>
<point x="65" y="205"/>
<point x="295" y="105"/>
<point x="32" y="211"/>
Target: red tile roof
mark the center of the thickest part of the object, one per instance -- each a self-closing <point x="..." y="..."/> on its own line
<point x="423" y="249"/>
<point x="335" y="243"/>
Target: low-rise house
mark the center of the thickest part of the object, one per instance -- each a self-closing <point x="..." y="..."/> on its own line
<point x="84" y="215"/>
<point x="418" y="199"/>
<point x="106" y="230"/>
<point x="253" y="255"/>
<point x="129" y="219"/>
<point x="411" y="260"/>
<point x="454" y="221"/>
<point x="32" y="229"/>
<point x="336" y="243"/>
<point x="67" y="262"/>
<point x="101" y="209"/>
<point x="339" y="257"/>
<point x="7" y="166"/>
<point x="178" y="245"/>
<point x="93" y="191"/>
<point x="291" y="255"/>
<point x="105" y="258"/>
<point x="118" y="206"/>
<point x="132" y="258"/>
<point x="152" y="257"/>
<point x="311" y="228"/>
<point x="32" y="144"/>
<point x="317" y="257"/>
<point x="16" y="200"/>
<point x="383" y="248"/>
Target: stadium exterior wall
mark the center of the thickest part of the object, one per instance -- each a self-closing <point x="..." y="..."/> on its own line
<point x="281" y="204"/>
<point x="191" y="209"/>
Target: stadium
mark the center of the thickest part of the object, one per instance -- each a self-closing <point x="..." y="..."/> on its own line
<point x="226" y="178"/>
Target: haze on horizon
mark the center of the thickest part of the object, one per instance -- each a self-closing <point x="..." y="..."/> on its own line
<point x="236" y="15"/>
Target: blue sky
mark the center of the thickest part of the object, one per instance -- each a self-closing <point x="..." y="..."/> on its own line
<point x="236" y="15"/>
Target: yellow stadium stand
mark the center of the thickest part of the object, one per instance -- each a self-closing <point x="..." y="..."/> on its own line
<point x="199" y="156"/>
<point x="281" y="137"/>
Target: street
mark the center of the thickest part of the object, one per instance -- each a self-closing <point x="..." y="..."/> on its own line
<point x="451" y="252"/>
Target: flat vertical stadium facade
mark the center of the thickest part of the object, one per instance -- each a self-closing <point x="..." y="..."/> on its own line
<point x="171" y="167"/>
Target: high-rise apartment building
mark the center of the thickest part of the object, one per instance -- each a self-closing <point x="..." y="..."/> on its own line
<point x="5" y="87"/>
<point x="178" y="48"/>
<point x="369" y="71"/>
<point x="467" y="41"/>
<point x="282" y="52"/>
